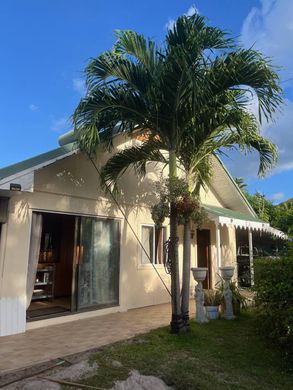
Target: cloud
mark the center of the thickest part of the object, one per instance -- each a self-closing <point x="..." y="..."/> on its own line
<point x="191" y="11"/>
<point x="79" y="86"/>
<point x="33" y="107"/>
<point x="277" y="197"/>
<point x="269" y="28"/>
<point x="280" y="133"/>
<point x="60" y="125"/>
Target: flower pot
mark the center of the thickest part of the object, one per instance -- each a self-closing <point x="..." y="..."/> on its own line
<point x="227" y="272"/>
<point x="212" y="312"/>
<point x="199" y="273"/>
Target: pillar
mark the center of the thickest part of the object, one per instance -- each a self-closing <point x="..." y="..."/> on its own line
<point x="250" y="246"/>
<point x="218" y="246"/>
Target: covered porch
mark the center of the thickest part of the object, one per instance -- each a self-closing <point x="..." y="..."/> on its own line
<point x="249" y="231"/>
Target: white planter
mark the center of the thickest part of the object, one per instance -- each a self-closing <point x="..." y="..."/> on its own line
<point x="199" y="273"/>
<point x="212" y="312"/>
<point x="227" y="272"/>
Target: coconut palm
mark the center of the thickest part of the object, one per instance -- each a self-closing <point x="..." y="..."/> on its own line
<point x="165" y="92"/>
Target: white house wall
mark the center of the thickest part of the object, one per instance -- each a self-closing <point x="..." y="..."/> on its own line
<point x="72" y="186"/>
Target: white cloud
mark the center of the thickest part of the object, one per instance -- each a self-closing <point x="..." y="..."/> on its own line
<point x="79" y="86"/>
<point x="277" y="197"/>
<point x="191" y="11"/>
<point x="269" y="28"/>
<point x="280" y="133"/>
<point x="60" y="125"/>
<point x="33" y="107"/>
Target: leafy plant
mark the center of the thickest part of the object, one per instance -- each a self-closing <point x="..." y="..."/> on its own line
<point x="212" y="297"/>
<point x="274" y="298"/>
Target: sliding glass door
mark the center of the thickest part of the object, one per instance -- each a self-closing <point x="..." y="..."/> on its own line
<point x="98" y="264"/>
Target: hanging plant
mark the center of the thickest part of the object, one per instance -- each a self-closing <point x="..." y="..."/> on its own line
<point x="175" y="190"/>
<point x="160" y="212"/>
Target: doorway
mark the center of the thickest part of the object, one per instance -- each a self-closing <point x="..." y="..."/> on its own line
<point x="78" y="266"/>
<point x="52" y="290"/>
<point x="204" y="254"/>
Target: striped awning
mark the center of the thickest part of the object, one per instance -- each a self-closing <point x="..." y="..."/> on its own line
<point x="228" y="217"/>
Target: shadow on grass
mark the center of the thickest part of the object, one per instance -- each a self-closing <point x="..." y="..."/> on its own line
<point x="221" y="355"/>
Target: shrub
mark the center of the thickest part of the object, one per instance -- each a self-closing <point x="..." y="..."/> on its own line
<point x="274" y="298"/>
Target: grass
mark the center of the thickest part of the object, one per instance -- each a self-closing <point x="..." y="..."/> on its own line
<point x="220" y="355"/>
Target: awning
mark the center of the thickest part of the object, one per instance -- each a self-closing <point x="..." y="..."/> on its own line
<point x="228" y="217"/>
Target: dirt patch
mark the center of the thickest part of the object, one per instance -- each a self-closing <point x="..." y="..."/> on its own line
<point x="72" y="373"/>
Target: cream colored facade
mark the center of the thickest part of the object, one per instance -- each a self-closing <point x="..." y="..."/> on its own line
<point x="71" y="186"/>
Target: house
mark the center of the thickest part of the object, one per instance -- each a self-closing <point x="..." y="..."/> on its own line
<point x="68" y="251"/>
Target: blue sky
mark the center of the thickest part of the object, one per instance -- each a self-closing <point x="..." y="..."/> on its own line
<point x="46" y="44"/>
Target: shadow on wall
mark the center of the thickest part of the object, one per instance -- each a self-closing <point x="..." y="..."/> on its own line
<point x="21" y="210"/>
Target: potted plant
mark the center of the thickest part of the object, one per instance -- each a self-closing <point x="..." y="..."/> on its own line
<point x="212" y="301"/>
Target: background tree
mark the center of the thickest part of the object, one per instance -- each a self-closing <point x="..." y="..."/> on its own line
<point x="279" y="216"/>
<point x="164" y="91"/>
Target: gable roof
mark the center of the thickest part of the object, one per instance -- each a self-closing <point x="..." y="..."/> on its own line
<point x="35" y="161"/>
<point x="22" y="171"/>
<point x="222" y="182"/>
<point x="227" y="189"/>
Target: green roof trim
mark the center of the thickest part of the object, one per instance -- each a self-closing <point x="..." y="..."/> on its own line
<point x="37" y="160"/>
<point x="236" y="185"/>
<point x="222" y="212"/>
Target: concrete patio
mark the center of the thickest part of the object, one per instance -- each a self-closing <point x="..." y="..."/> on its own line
<point x="57" y="341"/>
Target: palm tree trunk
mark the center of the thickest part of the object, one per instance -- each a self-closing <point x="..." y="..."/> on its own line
<point x="186" y="274"/>
<point x="176" y="324"/>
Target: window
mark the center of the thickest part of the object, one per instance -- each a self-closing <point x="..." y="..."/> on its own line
<point x="153" y="242"/>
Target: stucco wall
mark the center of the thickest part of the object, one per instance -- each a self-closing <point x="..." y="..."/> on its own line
<point x="72" y="186"/>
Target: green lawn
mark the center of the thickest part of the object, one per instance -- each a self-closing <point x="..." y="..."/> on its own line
<point x="218" y="355"/>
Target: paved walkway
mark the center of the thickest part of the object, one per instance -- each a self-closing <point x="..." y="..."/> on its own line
<point x="56" y="341"/>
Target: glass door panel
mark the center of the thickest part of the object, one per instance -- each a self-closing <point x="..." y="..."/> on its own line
<point x="98" y="269"/>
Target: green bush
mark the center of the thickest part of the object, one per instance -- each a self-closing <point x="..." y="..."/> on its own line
<point x="274" y="298"/>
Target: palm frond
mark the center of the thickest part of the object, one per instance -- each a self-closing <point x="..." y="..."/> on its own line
<point x="248" y="68"/>
<point x="137" y="157"/>
<point x="196" y="37"/>
<point x="144" y="50"/>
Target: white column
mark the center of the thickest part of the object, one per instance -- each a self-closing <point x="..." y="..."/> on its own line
<point x="250" y="246"/>
<point x="218" y="245"/>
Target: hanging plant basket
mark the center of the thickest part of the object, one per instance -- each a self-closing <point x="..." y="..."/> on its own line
<point x="186" y="206"/>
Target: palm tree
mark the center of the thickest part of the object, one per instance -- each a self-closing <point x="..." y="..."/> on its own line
<point x="166" y="91"/>
<point x="232" y="127"/>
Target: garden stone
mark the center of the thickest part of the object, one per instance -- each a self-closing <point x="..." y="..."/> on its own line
<point x="141" y="382"/>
